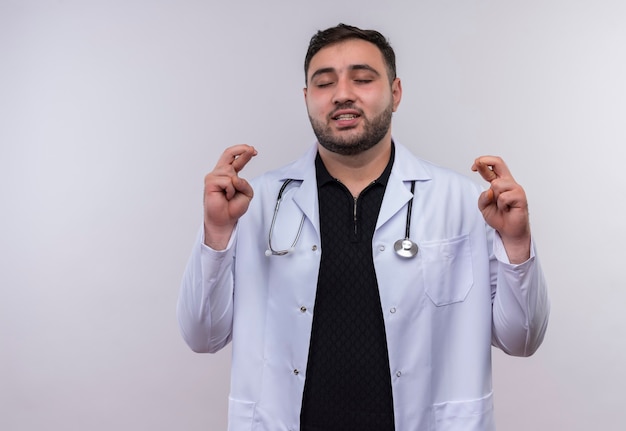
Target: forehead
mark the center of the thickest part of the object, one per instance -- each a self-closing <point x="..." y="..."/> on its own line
<point x="340" y="56"/>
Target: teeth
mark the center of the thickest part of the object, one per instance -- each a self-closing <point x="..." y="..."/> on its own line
<point x="345" y="117"/>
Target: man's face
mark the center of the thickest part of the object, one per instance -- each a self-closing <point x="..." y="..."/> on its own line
<point x="349" y="98"/>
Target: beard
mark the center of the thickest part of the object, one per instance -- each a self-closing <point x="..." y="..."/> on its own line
<point x="374" y="131"/>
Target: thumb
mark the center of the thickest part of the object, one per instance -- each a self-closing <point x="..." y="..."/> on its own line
<point x="243" y="186"/>
<point x="485" y="199"/>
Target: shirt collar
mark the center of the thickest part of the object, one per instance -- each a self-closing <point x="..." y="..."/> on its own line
<point x="324" y="177"/>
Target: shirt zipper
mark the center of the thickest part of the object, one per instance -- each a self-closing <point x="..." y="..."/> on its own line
<point x="354" y="219"/>
<point x="355" y="209"/>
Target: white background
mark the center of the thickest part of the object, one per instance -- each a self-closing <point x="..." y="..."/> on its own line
<point x="111" y="113"/>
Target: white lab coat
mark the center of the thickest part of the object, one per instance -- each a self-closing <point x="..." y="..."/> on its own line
<point x="442" y="309"/>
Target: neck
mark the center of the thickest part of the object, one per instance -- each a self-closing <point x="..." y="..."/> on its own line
<point x="357" y="171"/>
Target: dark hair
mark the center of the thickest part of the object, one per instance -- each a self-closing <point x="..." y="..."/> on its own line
<point x="343" y="32"/>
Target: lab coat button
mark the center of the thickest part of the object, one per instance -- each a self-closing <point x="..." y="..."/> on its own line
<point x="296" y="371"/>
<point x="381" y="247"/>
<point x="303" y="309"/>
<point x="398" y="373"/>
<point x="314" y="248"/>
<point x="392" y="310"/>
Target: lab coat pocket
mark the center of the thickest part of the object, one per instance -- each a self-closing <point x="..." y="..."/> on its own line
<point x="447" y="268"/>
<point x="240" y="414"/>
<point x="469" y="415"/>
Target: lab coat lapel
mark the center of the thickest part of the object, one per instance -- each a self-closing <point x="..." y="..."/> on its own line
<point x="305" y="197"/>
<point x="406" y="168"/>
<point x="396" y="196"/>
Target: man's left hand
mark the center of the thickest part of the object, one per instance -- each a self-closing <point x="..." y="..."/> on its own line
<point x="504" y="207"/>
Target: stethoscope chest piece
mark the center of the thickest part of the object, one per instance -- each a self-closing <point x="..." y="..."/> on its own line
<point x="405" y="248"/>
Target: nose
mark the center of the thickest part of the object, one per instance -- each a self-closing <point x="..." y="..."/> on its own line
<point x="344" y="92"/>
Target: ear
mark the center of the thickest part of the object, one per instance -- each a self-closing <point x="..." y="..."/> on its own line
<point x="396" y="93"/>
<point x="304" y="91"/>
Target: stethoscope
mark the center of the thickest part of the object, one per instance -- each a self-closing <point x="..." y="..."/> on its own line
<point x="404" y="247"/>
<point x="270" y="251"/>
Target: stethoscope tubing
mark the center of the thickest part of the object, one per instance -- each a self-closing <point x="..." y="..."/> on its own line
<point x="404" y="247"/>
<point x="270" y="251"/>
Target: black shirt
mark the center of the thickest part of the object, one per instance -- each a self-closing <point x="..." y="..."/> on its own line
<point x="348" y="382"/>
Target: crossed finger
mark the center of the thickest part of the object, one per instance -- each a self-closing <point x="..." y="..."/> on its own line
<point x="491" y="168"/>
<point x="236" y="157"/>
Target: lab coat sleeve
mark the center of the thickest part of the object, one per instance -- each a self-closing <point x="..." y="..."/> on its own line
<point x="520" y="302"/>
<point x="205" y="301"/>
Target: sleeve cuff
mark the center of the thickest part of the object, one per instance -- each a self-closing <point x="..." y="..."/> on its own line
<point x="500" y="253"/>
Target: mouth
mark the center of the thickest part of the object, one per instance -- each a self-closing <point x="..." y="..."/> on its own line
<point x="346" y="118"/>
<point x="341" y="117"/>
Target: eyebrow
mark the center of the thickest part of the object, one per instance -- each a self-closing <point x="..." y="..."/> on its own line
<point x="324" y="70"/>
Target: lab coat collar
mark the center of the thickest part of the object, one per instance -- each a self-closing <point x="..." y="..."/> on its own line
<point x="406" y="168"/>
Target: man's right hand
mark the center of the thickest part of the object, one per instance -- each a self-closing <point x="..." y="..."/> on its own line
<point x="226" y="195"/>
